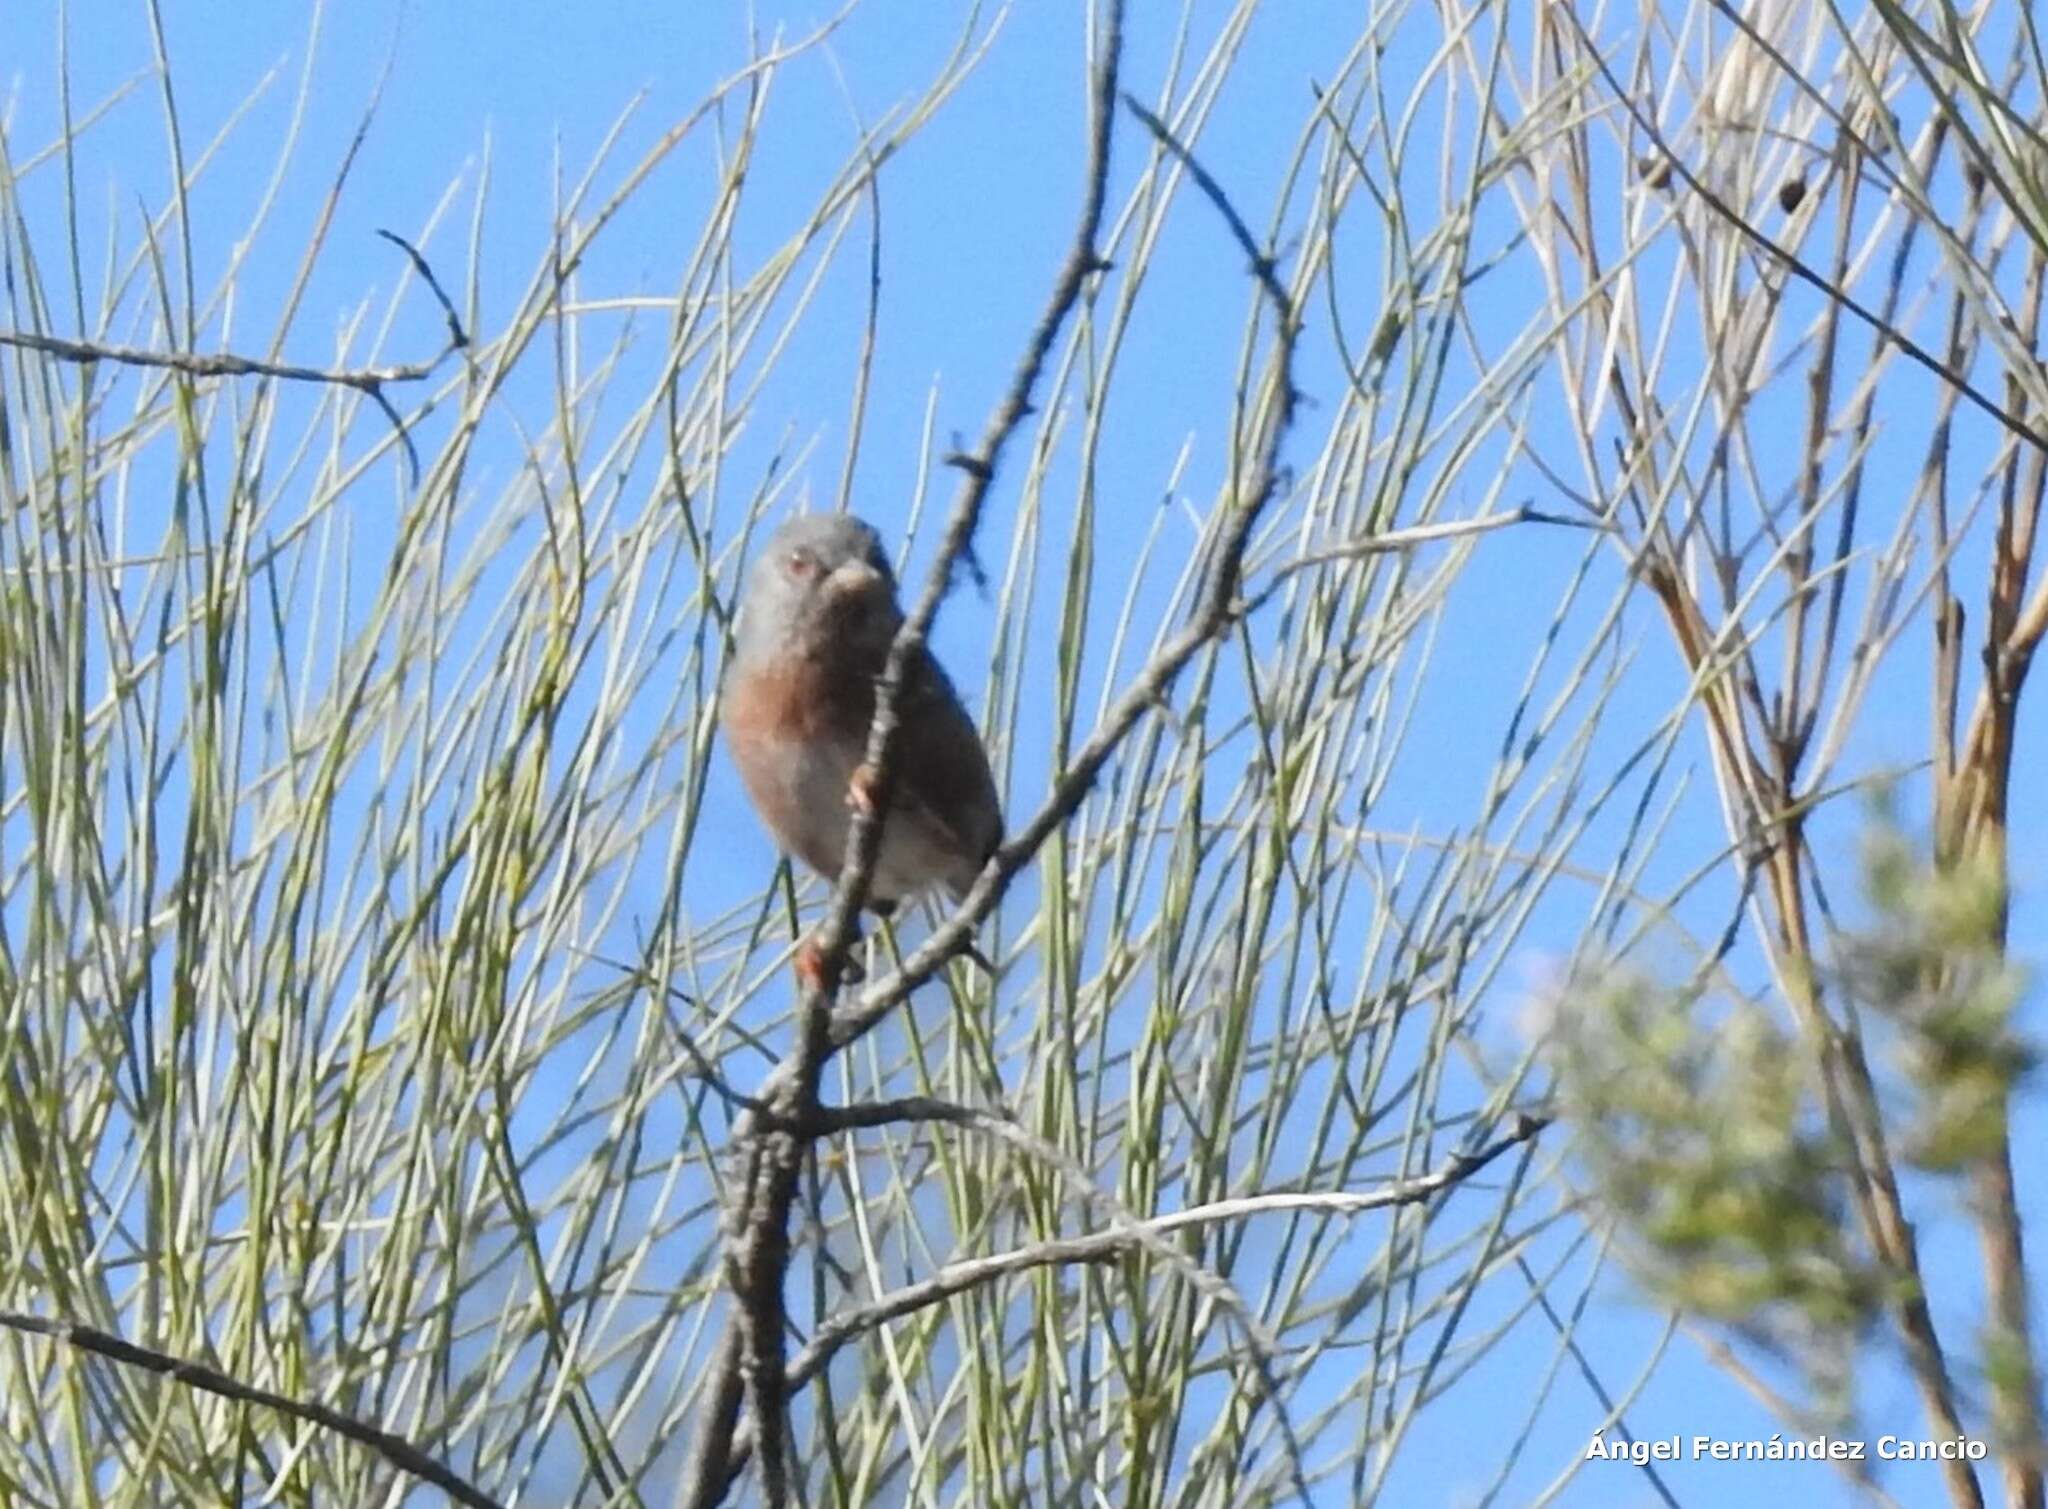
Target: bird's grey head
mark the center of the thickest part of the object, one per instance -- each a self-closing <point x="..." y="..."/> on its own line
<point x="821" y="583"/>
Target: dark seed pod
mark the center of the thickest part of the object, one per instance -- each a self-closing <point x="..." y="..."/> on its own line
<point x="1791" y="194"/>
<point x="1654" y="171"/>
<point x="1973" y="175"/>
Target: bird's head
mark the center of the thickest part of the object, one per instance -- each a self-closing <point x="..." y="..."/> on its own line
<point x="821" y="585"/>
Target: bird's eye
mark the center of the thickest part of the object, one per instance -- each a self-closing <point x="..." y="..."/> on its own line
<point x="800" y="564"/>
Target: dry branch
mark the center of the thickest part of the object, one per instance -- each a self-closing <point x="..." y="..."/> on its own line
<point x="369" y="381"/>
<point x="396" y="1450"/>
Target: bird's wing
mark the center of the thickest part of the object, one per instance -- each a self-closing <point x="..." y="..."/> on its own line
<point x="943" y="778"/>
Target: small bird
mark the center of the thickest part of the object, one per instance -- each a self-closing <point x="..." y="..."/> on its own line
<point x="816" y="621"/>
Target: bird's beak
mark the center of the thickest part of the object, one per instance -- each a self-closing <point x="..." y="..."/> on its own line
<point x="854" y="579"/>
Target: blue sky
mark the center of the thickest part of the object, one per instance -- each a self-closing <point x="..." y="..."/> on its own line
<point x="975" y="216"/>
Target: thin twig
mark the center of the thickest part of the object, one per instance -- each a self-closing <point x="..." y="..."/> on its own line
<point x="396" y="1450"/>
<point x="369" y="381"/>
<point x="1409" y="539"/>
<point x="218" y="364"/>
<point x="1261" y="261"/>
<point x="1791" y="263"/>
<point x="1101" y="1246"/>
<point x="458" y="340"/>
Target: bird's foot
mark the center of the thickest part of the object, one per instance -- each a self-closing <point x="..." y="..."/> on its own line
<point x="810" y="965"/>
<point x="861" y="795"/>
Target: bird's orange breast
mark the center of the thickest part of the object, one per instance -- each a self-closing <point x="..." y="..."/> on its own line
<point x="795" y="700"/>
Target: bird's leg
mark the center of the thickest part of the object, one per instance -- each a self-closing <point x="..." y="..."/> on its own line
<point x="861" y="795"/>
<point x="810" y="964"/>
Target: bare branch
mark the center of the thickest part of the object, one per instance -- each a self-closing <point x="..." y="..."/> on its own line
<point x="1104" y="1246"/>
<point x="1410" y="539"/>
<point x="396" y="1450"/>
<point x="457" y="339"/>
<point x="1792" y="264"/>
<point x="369" y="381"/>
<point x="219" y="364"/>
